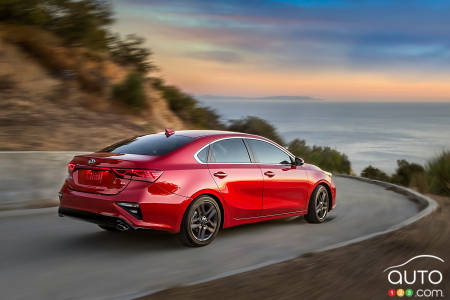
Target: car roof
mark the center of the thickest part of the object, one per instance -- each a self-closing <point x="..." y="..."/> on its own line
<point x="204" y="133"/>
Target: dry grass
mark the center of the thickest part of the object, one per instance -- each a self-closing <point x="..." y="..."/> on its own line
<point x="7" y="83"/>
<point x="82" y="65"/>
<point x="48" y="111"/>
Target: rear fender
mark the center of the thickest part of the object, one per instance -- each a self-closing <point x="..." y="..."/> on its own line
<point x="214" y="194"/>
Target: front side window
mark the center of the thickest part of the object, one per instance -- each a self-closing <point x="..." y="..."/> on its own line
<point x="229" y="151"/>
<point x="153" y="144"/>
<point x="267" y="153"/>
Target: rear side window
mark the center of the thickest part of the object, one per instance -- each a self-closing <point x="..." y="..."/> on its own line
<point x="153" y="144"/>
<point x="267" y="153"/>
<point x="203" y="155"/>
<point x="230" y="151"/>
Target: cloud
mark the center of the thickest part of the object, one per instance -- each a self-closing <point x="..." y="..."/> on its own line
<point x="216" y="55"/>
<point x="390" y="38"/>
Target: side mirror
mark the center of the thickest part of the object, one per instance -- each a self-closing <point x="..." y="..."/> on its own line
<point x="299" y="161"/>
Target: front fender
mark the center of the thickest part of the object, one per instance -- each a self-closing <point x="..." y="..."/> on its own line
<point x="319" y="177"/>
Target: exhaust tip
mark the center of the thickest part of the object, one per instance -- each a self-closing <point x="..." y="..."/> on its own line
<point x="122" y="226"/>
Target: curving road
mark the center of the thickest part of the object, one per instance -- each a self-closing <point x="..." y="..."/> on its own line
<point x="43" y="256"/>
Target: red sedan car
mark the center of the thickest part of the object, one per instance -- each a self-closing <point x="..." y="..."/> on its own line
<point x="193" y="183"/>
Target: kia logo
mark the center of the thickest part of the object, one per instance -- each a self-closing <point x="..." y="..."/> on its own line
<point x="91" y="161"/>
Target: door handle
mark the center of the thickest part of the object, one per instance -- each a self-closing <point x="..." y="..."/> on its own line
<point x="220" y="174"/>
<point x="269" y="173"/>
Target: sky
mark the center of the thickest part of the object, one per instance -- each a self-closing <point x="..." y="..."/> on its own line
<point x="355" y="50"/>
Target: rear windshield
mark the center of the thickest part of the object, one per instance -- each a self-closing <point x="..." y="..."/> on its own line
<point x="153" y="144"/>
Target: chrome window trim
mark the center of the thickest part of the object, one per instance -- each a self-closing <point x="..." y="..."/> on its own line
<point x="250" y="163"/>
<point x="207" y="157"/>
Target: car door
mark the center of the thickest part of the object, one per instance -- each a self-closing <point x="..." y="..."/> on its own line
<point x="239" y="181"/>
<point x="285" y="184"/>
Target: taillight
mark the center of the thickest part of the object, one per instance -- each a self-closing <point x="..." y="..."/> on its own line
<point x="138" y="174"/>
<point x="71" y="167"/>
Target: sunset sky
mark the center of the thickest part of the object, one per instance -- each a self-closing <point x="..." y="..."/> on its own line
<point x="337" y="50"/>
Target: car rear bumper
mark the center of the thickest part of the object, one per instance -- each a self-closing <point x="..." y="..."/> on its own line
<point x="100" y="219"/>
<point x="160" y="211"/>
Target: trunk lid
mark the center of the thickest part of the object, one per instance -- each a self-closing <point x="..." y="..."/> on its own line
<point x="93" y="173"/>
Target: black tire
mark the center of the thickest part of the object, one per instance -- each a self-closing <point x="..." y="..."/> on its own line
<point x="201" y="222"/>
<point x="109" y="228"/>
<point x="318" y="205"/>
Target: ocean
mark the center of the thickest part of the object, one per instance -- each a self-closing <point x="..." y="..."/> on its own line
<point x="370" y="133"/>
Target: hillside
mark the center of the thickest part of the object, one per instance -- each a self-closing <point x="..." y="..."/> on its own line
<point x="60" y="95"/>
<point x="54" y="97"/>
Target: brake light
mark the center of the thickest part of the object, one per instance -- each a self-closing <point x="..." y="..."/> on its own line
<point x="139" y="174"/>
<point x="71" y="167"/>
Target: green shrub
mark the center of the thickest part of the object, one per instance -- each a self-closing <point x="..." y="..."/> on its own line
<point x="405" y="171"/>
<point x="83" y="23"/>
<point x="326" y="158"/>
<point x="374" y="173"/>
<point x="131" y="91"/>
<point x="255" y="125"/>
<point x="434" y="178"/>
<point x="206" y="117"/>
<point x="30" y="12"/>
<point x="438" y="172"/>
<point x="187" y="108"/>
<point x="77" y="22"/>
<point x="131" y="51"/>
<point x="181" y="103"/>
<point x="420" y="182"/>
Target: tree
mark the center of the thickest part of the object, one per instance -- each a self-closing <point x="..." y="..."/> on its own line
<point x="374" y="173"/>
<point x="299" y="148"/>
<point x="131" y="91"/>
<point x="325" y="157"/>
<point x="82" y="22"/>
<point x="31" y="12"/>
<point x="131" y="51"/>
<point x="405" y="172"/>
<point x="255" y="125"/>
<point x="187" y="107"/>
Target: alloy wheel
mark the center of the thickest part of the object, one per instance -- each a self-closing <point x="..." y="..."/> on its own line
<point x="204" y="221"/>
<point x="322" y="204"/>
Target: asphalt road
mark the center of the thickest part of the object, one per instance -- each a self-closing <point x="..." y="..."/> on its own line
<point x="43" y="256"/>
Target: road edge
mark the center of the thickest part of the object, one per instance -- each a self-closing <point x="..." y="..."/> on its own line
<point x="27" y="211"/>
<point x="429" y="206"/>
